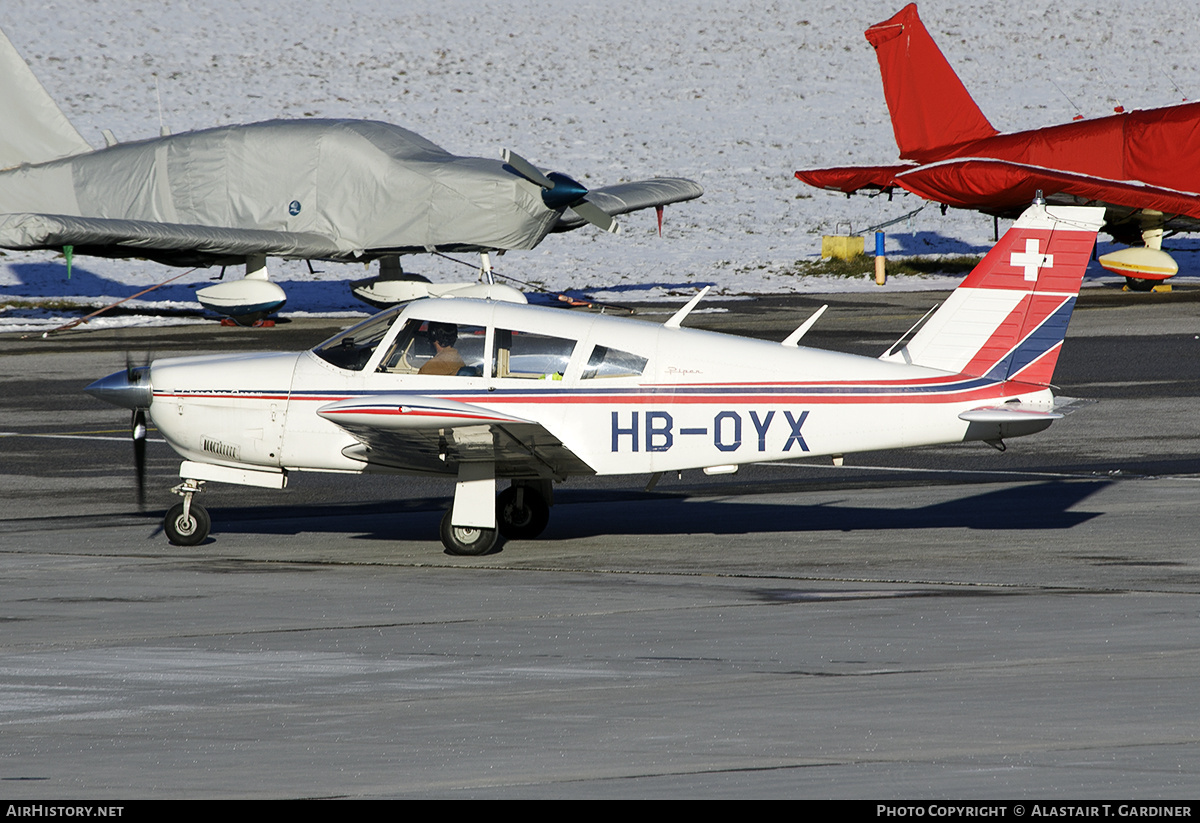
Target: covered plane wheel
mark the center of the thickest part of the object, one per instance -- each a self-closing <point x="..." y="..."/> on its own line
<point x="1139" y="284"/>
<point x="189" y="531"/>
<point x="466" y="540"/>
<point x="522" y="520"/>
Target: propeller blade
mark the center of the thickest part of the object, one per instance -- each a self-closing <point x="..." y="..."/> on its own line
<point x="596" y="216"/>
<point x="526" y="169"/>
<point x="138" y="430"/>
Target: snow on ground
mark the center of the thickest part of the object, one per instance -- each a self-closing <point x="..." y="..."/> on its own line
<point x="735" y="97"/>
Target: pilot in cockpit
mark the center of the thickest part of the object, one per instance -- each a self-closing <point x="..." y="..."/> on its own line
<point x="446" y="359"/>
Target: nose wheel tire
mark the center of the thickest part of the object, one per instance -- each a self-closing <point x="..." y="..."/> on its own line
<point x="523" y="515"/>
<point x="467" y="540"/>
<point x="190" y="530"/>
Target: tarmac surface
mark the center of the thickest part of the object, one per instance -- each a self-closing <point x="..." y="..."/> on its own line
<point x="947" y="622"/>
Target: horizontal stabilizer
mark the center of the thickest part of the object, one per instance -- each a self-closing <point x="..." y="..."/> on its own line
<point x="849" y="179"/>
<point x="626" y="197"/>
<point x="1009" y="413"/>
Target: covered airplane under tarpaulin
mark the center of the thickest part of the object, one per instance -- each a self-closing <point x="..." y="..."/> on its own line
<point x="303" y="189"/>
<point x="1142" y="166"/>
<point x="347" y="188"/>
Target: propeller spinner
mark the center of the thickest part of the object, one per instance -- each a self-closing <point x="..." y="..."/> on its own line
<point x="130" y="389"/>
<point x="562" y="192"/>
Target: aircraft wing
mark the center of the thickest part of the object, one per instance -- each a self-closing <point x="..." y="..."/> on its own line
<point x="626" y="197"/>
<point x="432" y="434"/>
<point x="1004" y="188"/>
<point x="999" y="185"/>
<point x="172" y="243"/>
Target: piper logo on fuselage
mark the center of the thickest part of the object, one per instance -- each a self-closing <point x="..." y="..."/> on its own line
<point x="656" y="430"/>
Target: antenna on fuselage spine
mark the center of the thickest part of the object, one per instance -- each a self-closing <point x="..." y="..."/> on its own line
<point x="163" y="131"/>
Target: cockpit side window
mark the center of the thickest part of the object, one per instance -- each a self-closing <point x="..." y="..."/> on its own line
<point x="606" y="362"/>
<point x="531" y="356"/>
<point x="437" y="348"/>
<point x="352" y="348"/>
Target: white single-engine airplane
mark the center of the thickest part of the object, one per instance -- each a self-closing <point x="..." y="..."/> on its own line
<point x="482" y="390"/>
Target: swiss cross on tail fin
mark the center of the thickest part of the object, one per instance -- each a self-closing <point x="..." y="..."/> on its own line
<point x="1032" y="260"/>
<point x="1008" y="318"/>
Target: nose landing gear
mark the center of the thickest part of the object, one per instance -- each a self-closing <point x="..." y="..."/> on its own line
<point x="187" y="523"/>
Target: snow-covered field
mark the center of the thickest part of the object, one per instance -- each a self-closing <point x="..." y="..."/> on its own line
<point x="735" y="97"/>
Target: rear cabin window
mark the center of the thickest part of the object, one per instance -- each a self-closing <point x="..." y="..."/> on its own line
<point x="531" y="356"/>
<point x="606" y="362"/>
<point x="430" y="347"/>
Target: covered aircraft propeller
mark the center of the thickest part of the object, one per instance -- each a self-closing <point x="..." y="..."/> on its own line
<point x="561" y="191"/>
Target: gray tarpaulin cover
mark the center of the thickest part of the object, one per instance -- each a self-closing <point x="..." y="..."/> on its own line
<point x="333" y="189"/>
<point x="336" y="189"/>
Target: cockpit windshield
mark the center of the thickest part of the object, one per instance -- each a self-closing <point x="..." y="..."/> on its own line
<point x="352" y="348"/>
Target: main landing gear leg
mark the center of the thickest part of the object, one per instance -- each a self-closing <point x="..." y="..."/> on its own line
<point x="469" y="528"/>
<point x="187" y="523"/>
<point x="523" y="509"/>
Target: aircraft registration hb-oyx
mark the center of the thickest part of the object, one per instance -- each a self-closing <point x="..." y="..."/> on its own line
<point x="1143" y="167"/>
<point x="345" y="190"/>
<point x="479" y="391"/>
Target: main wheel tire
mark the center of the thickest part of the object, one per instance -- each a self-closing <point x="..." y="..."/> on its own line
<point x="189" y="531"/>
<point x="523" y="522"/>
<point x="467" y="540"/>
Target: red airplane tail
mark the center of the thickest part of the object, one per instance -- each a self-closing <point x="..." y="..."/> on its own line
<point x="1008" y="318"/>
<point x="930" y="106"/>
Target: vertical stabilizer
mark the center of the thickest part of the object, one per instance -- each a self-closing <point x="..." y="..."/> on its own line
<point x="1008" y="318"/>
<point x="34" y="129"/>
<point x="929" y="105"/>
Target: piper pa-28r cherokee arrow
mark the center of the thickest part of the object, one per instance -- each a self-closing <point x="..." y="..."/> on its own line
<point x="481" y="391"/>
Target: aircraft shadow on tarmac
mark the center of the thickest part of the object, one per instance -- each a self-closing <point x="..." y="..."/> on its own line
<point x="49" y="279"/>
<point x="1035" y="506"/>
<point x="928" y="242"/>
<point x="689" y="287"/>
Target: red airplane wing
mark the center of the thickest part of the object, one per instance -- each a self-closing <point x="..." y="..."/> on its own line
<point x="1001" y="187"/>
